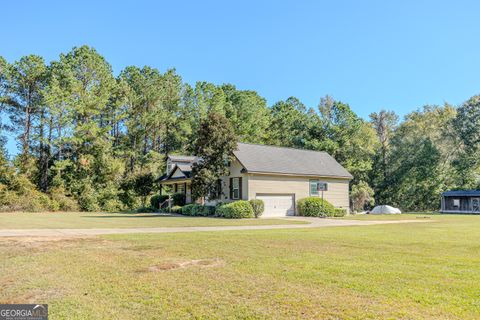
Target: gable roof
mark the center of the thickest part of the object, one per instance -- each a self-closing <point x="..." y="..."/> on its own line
<point x="185" y="169"/>
<point x="257" y="158"/>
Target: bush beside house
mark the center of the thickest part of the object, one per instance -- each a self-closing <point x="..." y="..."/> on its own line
<point x="316" y="207"/>
<point x="258" y="207"/>
<point x="157" y="200"/>
<point x="179" y="199"/>
<point x="176" y="209"/>
<point x="339" y="212"/>
<point x="198" y="210"/>
<point x="236" y="210"/>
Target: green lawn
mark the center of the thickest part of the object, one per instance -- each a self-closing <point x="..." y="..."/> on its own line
<point x="402" y="271"/>
<point x="82" y="220"/>
<point x="403" y="216"/>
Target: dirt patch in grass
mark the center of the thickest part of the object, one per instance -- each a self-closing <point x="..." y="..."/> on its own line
<point x="34" y="296"/>
<point x="200" y="263"/>
<point x="47" y="242"/>
<point x="140" y="248"/>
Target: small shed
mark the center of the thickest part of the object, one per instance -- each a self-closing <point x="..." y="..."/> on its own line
<point x="461" y="201"/>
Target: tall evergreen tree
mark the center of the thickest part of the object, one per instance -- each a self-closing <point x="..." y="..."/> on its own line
<point x="248" y="114"/>
<point x="27" y="80"/>
<point x="351" y="140"/>
<point x="384" y="123"/>
<point x="290" y="123"/>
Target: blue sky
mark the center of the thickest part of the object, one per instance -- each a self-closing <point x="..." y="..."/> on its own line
<point x="397" y="55"/>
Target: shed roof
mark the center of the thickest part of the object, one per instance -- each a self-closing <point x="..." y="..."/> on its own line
<point x="462" y="193"/>
<point x="257" y="158"/>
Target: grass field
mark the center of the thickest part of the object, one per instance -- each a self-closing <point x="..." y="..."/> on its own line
<point x="83" y="220"/>
<point x="403" y="271"/>
<point x="403" y="216"/>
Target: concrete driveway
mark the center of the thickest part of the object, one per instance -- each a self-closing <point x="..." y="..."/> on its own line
<point x="313" y="223"/>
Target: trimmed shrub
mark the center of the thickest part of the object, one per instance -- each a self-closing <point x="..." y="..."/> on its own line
<point x="315" y="207"/>
<point x="145" y="210"/>
<point x="236" y="210"/>
<point x="176" y="209"/>
<point x="339" y="212"/>
<point x="198" y="210"/>
<point x="188" y="209"/>
<point x="179" y="199"/>
<point x="157" y="200"/>
<point x="258" y="207"/>
<point x="206" y="211"/>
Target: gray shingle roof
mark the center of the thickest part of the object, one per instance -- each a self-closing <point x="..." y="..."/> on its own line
<point x="181" y="158"/>
<point x="185" y="167"/>
<point x="271" y="159"/>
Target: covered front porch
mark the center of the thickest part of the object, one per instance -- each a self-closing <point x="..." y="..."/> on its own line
<point x="172" y="186"/>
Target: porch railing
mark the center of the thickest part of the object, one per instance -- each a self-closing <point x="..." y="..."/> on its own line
<point x="166" y="204"/>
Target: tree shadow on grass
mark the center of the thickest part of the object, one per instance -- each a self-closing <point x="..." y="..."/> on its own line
<point x="130" y="215"/>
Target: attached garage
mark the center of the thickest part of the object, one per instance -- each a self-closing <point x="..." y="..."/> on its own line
<point x="278" y="205"/>
<point x="278" y="176"/>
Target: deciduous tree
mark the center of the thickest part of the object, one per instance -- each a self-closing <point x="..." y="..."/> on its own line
<point x="214" y="147"/>
<point x="362" y="195"/>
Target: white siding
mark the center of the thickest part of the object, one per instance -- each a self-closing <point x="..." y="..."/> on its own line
<point x="177" y="174"/>
<point x="337" y="193"/>
<point x="235" y="172"/>
<point x="299" y="186"/>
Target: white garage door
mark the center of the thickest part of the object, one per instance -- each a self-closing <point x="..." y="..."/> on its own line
<point x="278" y="205"/>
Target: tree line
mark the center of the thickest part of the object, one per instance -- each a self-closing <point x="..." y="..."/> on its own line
<point x="90" y="140"/>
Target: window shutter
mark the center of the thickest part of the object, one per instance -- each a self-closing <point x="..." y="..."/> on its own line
<point x="185" y="188"/>
<point x="219" y="190"/>
<point x="231" y="188"/>
<point x="240" y="187"/>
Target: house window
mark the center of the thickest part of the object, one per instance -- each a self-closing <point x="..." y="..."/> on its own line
<point x="235" y="188"/>
<point x="181" y="188"/>
<point x="456" y="202"/>
<point x="317" y="186"/>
